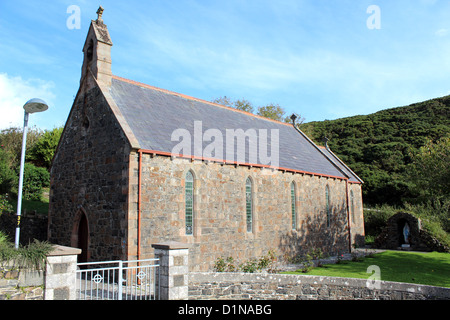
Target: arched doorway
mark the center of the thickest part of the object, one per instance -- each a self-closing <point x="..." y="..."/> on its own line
<point x="80" y="235"/>
<point x="83" y="234"/>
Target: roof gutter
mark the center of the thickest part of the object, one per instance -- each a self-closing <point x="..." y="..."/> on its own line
<point x="237" y="163"/>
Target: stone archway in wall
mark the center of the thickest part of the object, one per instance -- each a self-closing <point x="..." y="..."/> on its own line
<point x="403" y="231"/>
<point x="416" y="238"/>
<point x="80" y="235"/>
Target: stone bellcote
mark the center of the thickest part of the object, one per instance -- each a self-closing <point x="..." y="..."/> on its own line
<point x="97" y="53"/>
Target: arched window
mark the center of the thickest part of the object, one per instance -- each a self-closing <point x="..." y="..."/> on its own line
<point x="249" y="204"/>
<point x="189" y="203"/>
<point x="327" y="203"/>
<point x="90" y="51"/>
<point x="293" y="207"/>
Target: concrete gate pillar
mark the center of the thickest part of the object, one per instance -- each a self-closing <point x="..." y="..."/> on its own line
<point x="60" y="273"/>
<point x="174" y="269"/>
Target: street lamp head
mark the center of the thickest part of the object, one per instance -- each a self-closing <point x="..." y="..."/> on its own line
<point x="35" y="105"/>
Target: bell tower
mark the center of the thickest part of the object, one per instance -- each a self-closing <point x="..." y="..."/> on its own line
<point x="97" y="53"/>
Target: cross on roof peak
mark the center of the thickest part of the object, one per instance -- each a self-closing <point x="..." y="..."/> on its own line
<point x="100" y="13"/>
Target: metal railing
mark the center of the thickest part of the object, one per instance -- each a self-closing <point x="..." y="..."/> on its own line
<point x="118" y="280"/>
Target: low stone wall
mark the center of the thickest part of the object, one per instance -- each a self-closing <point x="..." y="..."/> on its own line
<point x="21" y="284"/>
<point x="245" y="286"/>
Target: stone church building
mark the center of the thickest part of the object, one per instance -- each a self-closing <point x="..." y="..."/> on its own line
<point x="138" y="165"/>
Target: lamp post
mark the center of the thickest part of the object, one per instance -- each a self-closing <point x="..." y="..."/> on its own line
<point x="32" y="106"/>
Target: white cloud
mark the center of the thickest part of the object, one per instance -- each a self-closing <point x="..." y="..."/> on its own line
<point x="14" y="92"/>
<point x="441" y="32"/>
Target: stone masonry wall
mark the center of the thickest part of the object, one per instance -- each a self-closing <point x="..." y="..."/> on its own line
<point x="16" y="284"/>
<point x="356" y="212"/>
<point x="219" y="205"/>
<point x="32" y="226"/>
<point x="90" y="175"/>
<point x="245" y="286"/>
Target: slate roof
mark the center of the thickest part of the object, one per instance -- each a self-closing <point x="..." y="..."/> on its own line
<point x="334" y="158"/>
<point x="153" y="114"/>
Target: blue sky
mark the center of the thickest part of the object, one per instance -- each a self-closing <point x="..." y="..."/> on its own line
<point x="314" y="57"/>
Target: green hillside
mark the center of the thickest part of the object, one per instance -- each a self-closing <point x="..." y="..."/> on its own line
<point x="379" y="146"/>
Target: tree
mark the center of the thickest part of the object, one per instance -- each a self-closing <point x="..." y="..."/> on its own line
<point x="271" y="111"/>
<point x="11" y="142"/>
<point x="34" y="180"/>
<point x="7" y="175"/>
<point x="430" y="170"/>
<point x="41" y="147"/>
<point x="44" y="149"/>
<point x="379" y="147"/>
<point x="243" y="105"/>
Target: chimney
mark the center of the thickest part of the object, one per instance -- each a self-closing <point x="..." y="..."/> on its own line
<point x="97" y="52"/>
<point x="293" y="118"/>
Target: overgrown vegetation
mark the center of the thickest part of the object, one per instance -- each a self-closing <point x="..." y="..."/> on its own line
<point x="272" y="111"/>
<point x="307" y="259"/>
<point x="32" y="256"/>
<point x="5" y="206"/>
<point x="381" y="147"/>
<point x="228" y="264"/>
<point x="41" y="146"/>
<point x="42" y="152"/>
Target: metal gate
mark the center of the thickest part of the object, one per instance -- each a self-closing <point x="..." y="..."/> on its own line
<point x="118" y="280"/>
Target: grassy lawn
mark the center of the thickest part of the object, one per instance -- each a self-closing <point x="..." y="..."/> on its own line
<point x="400" y="266"/>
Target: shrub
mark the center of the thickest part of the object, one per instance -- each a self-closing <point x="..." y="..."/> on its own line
<point x="34" y="180"/>
<point x="223" y="265"/>
<point x="7" y="176"/>
<point x="317" y="254"/>
<point x="266" y="262"/>
<point x="307" y="263"/>
<point x="375" y="219"/>
<point x="5" y="206"/>
<point x="249" y="266"/>
<point x="44" y="149"/>
<point x="32" y="256"/>
<point x="3" y="239"/>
